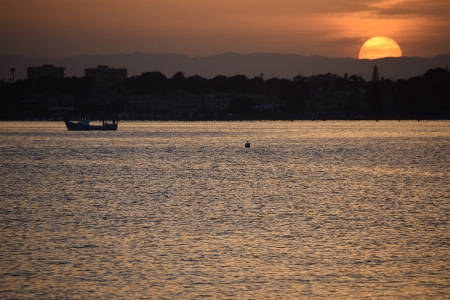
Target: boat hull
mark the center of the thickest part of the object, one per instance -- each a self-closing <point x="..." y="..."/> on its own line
<point x="71" y="126"/>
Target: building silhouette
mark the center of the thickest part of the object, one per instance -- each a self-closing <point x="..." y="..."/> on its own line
<point x="105" y="76"/>
<point x="45" y="71"/>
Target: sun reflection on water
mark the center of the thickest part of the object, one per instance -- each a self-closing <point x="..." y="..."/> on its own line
<point x="182" y="210"/>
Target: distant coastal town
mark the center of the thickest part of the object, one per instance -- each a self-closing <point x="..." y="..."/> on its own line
<point x="47" y="94"/>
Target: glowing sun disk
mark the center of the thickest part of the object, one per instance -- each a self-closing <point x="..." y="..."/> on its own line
<point x="379" y="47"/>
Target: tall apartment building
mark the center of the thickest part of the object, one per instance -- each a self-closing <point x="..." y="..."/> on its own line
<point x="45" y="71"/>
<point x="105" y="76"/>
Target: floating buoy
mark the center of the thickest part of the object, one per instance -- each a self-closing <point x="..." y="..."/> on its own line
<point x="247" y="145"/>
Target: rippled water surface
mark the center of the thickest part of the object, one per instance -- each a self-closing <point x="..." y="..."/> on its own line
<point x="173" y="210"/>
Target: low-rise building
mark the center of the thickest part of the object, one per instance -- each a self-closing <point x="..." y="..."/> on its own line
<point x="328" y="102"/>
<point x="265" y="103"/>
<point x="105" y="76"/>
<point x="45" y="71"/>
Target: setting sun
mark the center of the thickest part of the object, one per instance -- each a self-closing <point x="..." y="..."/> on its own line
<point x="379" y="47"/>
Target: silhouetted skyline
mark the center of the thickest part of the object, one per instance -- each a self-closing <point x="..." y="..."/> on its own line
<point x="229" y="64"/>
<point x="152" y="95"/>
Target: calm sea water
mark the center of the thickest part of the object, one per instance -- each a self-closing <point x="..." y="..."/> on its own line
<point x="174" y="210"/>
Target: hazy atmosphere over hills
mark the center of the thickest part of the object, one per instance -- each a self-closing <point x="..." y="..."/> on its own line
<point x="277" y="38"/>
<point x="229" y="64"/>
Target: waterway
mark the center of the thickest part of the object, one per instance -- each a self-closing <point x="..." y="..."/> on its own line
<point x="182" y="210"/>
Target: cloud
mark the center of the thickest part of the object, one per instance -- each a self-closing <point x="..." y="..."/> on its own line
<point x="206" y="27"/>
<point x="402" y="9"/>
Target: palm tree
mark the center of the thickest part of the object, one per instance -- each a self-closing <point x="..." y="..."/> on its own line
<point x="12" y="70"/>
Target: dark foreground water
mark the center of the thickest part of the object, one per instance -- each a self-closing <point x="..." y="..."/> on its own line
<point x="172" y="210"/>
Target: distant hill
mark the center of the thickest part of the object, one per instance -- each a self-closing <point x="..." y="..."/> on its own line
<point x="229" y="64"/>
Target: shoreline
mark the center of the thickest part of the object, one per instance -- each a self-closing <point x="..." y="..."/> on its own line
<point x="417" y="119"/>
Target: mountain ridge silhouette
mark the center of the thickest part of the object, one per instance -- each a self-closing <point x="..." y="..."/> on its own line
<point x="230" y="64"/>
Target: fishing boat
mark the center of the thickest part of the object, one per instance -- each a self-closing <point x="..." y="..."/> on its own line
<point x="83" y="125"/>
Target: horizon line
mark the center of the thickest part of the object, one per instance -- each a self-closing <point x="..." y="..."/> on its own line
<point x="214" y="55"/>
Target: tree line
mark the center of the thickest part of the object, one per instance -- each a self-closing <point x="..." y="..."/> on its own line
<point x="422" y="96"/>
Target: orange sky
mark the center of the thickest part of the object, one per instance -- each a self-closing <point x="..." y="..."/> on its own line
<point x="60" y="28"/>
